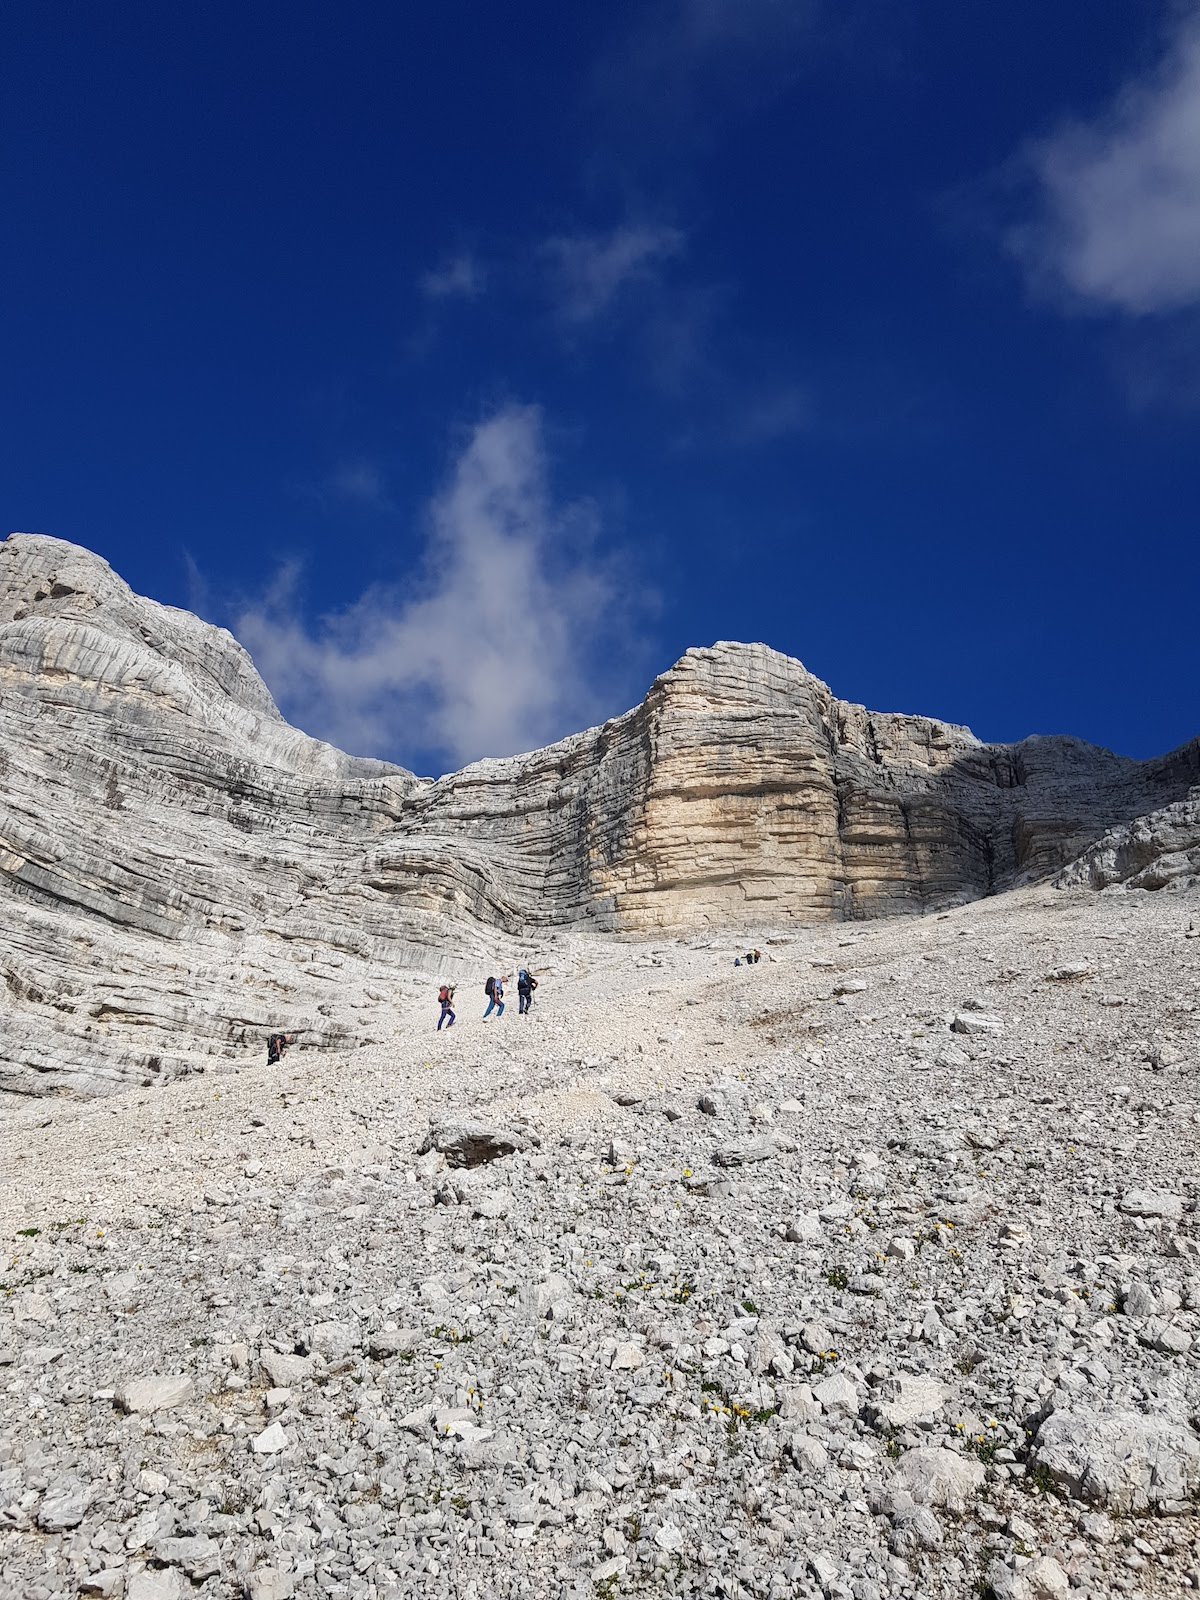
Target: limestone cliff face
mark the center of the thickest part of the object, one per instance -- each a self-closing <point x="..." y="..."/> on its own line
<point x="181" y="870"/>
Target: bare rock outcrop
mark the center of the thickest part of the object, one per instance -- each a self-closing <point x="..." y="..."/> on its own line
<point x="181" y="870"/>
<point x="1157" y="851"/>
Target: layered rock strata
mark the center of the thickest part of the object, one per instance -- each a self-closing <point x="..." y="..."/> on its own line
<point x="182" y="870"/>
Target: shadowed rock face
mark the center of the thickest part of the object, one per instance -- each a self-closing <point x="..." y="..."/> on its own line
<point x="181" y="870"/>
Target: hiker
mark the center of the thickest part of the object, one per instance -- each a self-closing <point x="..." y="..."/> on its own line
<point x="446" y="1001"/>
<point x="494" y="989"/>
<point x="526" y="984"/>
<point x="277" y="1046"/>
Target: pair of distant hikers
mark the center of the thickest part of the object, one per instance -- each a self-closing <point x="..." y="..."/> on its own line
<point x="494" y="989"/>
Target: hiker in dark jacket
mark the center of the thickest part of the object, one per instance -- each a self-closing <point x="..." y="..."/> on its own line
<point x="277" y="1045"/>
<point x="446" y="1000"/>
<point x="526" y="984"/>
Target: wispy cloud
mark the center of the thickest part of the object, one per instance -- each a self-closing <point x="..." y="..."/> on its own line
<point x="508" y="638"/>
<point x="356" y="482"/>
<point x="458" y="277"/>
<point x="692" y="63"/>
<point x="771" y="415"/>
<point x="360" y="483"/>
<point x="1118" y="223"/>
<point x="590" y="272"/>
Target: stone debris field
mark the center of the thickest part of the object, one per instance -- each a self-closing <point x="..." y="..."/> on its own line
<point x="871" y="1270"/>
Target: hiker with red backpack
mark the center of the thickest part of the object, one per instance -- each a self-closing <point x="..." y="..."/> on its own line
<point x="494" y="989"/>
<point x="445" y="1000"/>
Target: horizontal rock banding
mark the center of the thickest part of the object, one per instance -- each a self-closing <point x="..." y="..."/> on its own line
<point x="176" y="861"/>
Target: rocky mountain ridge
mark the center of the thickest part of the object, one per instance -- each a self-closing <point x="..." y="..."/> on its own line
<point x="181" y="870"/>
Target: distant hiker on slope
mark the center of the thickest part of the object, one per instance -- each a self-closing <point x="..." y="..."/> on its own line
<point x="526" y="984"/>
<point x="494" y="989"/>
<point x="277" y="1045"/>
<point x="445" y="1000"/>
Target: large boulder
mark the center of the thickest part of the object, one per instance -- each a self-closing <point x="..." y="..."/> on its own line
<point x="471" y="1144"/>
<point x="1121" y="1460"/>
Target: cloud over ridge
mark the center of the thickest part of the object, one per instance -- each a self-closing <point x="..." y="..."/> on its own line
<point x="491" y="648"/>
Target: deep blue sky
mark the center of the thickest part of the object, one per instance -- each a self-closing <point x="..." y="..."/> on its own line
<point x="474" y="361"/>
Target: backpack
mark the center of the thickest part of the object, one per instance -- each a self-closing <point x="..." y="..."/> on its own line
<point x="444" y="994"/>
<point x="523" y="979"/>
<point x="489" y="988"/>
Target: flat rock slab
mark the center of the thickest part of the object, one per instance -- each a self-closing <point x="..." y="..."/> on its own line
<point x="270" y="1441"/>
<point x="934" y="1476"/>
<point x="1152" y="1203"/>
<point x="141" y="1395"/>
<point x="64" y="1507"/>
<point x="741" y="1155"/>
<point x="165" y="1583"/>
<point x="270" y="1583"/>
<point x="911" y="1398"/>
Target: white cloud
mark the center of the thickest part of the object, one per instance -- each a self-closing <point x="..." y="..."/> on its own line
<point x="459" y="277"/>
<point x="590" y="271"/>
<point x="1120" y="195"/>
<point x="493" y="647"/>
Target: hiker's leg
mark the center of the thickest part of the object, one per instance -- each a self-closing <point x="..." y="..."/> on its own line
<point x="491" y="1003"/>
<point x="451" y="1022"/>
<point x="500" y="1009"/>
